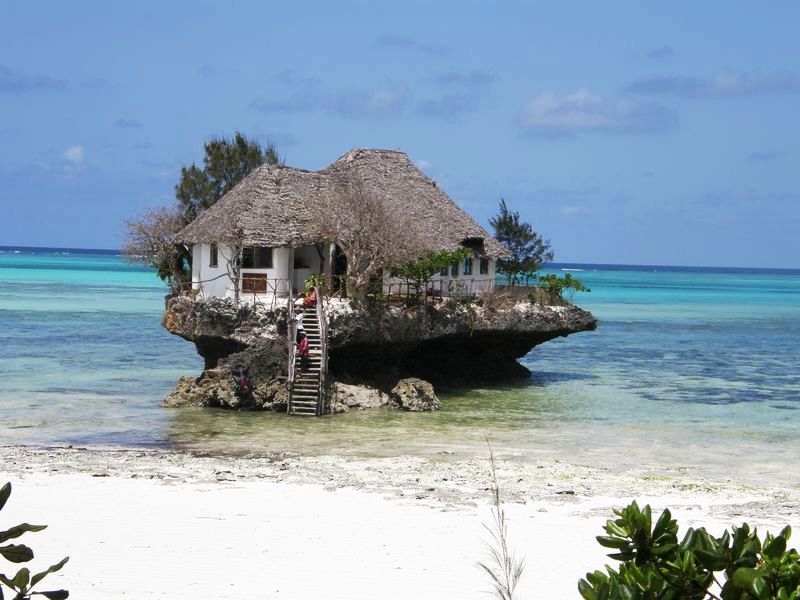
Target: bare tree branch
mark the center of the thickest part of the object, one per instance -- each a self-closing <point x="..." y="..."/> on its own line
<point x="149" y="239"/>
<point x="373" y="232"/>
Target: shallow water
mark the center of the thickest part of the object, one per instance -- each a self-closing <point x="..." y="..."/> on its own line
<point x="688" y="367"/>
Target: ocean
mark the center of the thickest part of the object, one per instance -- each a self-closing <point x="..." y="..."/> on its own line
<point x="690" y="368"/>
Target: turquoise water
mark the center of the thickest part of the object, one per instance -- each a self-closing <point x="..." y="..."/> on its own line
<point x="688" y="367"/>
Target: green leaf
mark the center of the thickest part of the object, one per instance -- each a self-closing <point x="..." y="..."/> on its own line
<point x="713" y="561"/>
<point x="786" y="532"/>
<point x="586" y="591"/>
<point x="5" y="492"/>
<point x="17" y="531"/>
<point x="16" y="553"/>
<point x="611" y="542"/>
<point x="775" y="547"/>
<point x="760" y="589"/>
<point x="743" y="578"/>
<point x="52" y="569"/>
<point x="53" y="595"/>
<point x="21" y="579"/>
<point x="665" y="549"/>
<point x="661" y="524"/>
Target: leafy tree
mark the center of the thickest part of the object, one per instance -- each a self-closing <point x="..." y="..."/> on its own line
<point x="528" y="249"/>
<point x="655" y="565"/>
<point x="149" y="236"/>
<point x="22" y="582"/>
<point x="227" y="161"/>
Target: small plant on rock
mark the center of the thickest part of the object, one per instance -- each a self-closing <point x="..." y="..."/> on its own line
<point x="559" y="286"/>
<point x="655" y="565"/>
<point x="23" y="582"/>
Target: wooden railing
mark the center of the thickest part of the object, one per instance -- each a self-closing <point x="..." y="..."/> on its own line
<point x="435" y="289"/>
<point x="322" y="403"/>
<point x="291" y="332"/>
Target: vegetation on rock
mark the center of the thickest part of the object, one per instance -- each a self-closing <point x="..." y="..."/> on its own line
<point x="420" y="271"/>
<point x="22" y="583"/>
<point x="655" y="565"/>
<point x="373" y="234"/>
<point x="226" y="162"/>
<point x="558" y="286"/>
<point x="529" y="250"/>
<point x="149" y="237"/>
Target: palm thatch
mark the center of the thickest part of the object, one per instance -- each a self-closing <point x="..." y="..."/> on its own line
<point x="277" y="205"/>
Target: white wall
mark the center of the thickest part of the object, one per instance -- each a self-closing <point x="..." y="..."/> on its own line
<point x="211" y="281"/>
<point x="215" y="282"/>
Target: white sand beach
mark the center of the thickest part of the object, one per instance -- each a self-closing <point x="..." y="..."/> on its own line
<point x="149" y="524"/>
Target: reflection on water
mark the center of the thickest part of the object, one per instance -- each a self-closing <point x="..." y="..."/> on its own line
<point x="687" y="368"/>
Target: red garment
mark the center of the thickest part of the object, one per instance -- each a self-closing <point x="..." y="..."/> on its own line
<point x="310" y="300"/>
<point x="302" y="347"/>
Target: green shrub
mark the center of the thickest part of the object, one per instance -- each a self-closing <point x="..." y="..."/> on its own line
<point x="22" y="582"/>
<point x="558" y="286"/>
<point x="656" y="566"/>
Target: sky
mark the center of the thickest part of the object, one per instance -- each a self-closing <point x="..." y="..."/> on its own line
<point x="624" y="132"/>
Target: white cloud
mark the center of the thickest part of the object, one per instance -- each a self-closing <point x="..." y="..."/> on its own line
<point x="571" y="211"/>
<point x="74" y="154"/>
<point x="583" y="111"/>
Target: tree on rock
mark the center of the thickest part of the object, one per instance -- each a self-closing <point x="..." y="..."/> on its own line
<point x="372" y="231"/>
<point x="227" y="161"/>
<point x="529" y="250"/>
<point x="149" y="236"/>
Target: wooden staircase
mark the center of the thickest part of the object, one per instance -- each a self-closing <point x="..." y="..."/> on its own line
<point x="307" y="388"/>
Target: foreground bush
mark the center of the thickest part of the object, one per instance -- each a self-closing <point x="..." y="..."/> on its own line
<point x="656" y="566"/>
<point x="22" y="582"/>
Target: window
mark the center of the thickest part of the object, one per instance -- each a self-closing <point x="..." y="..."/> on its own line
<point x="467" y="266"/>
<point x="484" y="266"/>
<point x="257" y="257"/>
<point x="254" y="283"/>
<point x="443" y="272"/>
<point x="454" y="270"/>
<point x="213" y="261"/>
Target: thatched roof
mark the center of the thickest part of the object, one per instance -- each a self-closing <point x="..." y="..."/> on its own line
<point x="278" y="205"/>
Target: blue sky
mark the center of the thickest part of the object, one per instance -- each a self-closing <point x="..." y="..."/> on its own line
<point x="626" y="132"/>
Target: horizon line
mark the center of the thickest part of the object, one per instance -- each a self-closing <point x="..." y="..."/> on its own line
<point x="595" y="264"/>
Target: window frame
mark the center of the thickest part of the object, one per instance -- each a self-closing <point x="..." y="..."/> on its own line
<point x="213" y="258"/>
<point x="483" y="268"/>
<point x="252" y="254"/>
<point x="468" y="266"/>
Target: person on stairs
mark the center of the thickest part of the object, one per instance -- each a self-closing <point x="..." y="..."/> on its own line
<point x="298" y="321"/>
<point x="303" y="350"/>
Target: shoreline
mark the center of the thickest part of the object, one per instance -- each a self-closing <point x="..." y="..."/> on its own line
<point x="338" y="527"/>
<point x="448" y="479"/>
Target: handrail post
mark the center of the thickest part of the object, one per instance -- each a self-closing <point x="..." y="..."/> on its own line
<point x="292" y="339"/>
<point x="323" y="347"/>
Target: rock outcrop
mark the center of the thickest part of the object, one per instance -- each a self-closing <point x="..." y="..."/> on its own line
<point x="415" y="394"/>
<point x="451" y="344"/>
<point x="345" y="397"/>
